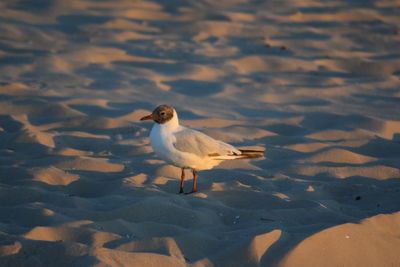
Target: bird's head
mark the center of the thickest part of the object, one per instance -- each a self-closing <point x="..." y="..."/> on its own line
<point x="161" y="114"/>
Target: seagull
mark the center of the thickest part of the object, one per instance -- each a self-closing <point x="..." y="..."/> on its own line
<point x="187" y="148"/>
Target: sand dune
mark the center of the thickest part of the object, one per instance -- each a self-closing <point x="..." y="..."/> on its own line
<point x="315" y="84"/>
<point x="377" y="234"/>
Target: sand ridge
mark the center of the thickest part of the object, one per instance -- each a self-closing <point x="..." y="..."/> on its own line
<point x="314" y="83"/>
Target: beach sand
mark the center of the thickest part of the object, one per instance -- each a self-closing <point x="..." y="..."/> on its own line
<point x="314" y="83"/>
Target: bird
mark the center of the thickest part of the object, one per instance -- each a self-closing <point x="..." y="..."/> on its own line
<point x="187" y="148"/>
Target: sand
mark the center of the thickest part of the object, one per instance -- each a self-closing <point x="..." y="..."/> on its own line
<point x="315" y="83"/>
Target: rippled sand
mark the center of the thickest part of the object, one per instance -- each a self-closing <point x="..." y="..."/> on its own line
<point x="315" y="83"/>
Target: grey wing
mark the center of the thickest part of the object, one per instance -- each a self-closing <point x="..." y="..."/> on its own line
<point x="202" y="145"/>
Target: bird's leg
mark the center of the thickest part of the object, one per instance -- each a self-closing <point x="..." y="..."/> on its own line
<point x="182" y="181"/>
<point x="194" y="188"/>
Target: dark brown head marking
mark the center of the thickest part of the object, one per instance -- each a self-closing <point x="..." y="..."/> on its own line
<point x="161" y="114"/>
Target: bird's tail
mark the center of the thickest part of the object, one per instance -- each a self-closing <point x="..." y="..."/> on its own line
<point x="244" y="154"/>
<point x="251" y="154"/>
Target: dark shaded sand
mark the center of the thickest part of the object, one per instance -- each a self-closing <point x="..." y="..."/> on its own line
<point x="315" y="83"/>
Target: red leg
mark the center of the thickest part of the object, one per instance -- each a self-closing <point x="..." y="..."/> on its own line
<point x="182" y="181"/>
<point x="194" y="188"/>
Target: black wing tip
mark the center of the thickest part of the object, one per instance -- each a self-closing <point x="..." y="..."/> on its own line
<point x="252" y="153"/>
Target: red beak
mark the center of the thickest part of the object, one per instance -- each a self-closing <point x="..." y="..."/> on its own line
<point x="148" y="117"/>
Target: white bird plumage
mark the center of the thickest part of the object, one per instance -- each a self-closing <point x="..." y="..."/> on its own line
<point x="187" y="148"/>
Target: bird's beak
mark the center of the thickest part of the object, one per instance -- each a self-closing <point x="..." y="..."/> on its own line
<point x="148" y="117"/>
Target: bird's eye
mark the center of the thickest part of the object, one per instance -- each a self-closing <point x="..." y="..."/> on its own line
<point x="162" y="113"/>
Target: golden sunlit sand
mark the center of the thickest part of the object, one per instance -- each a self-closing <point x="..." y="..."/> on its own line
<point x="314" y="83"/>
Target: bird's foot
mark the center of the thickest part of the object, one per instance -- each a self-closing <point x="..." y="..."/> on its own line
<point x="191" y="192"/>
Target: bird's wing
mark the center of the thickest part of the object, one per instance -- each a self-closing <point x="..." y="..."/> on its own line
<point x="202" y="145"/>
